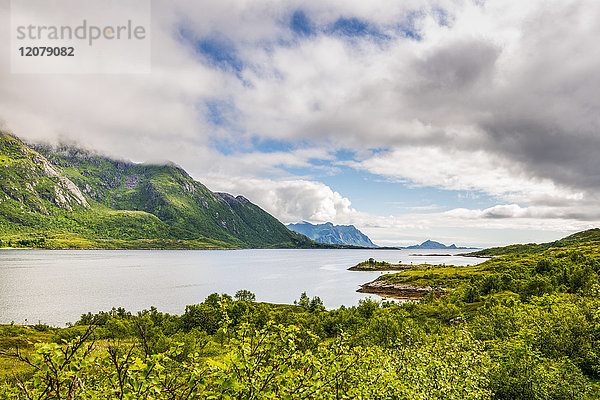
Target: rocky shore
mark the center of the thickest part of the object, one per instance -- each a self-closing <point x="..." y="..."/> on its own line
<point x="399" y="290"/>
<point x="473" y="255"/>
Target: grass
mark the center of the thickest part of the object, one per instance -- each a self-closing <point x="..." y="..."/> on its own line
<point x="454" y="276"/>
<point x="512" y="266"/>
<point x="580" y="239"/>
<point x="437" y="275"/>
<point x="68" y="240"/>
<point x="23" y="337"/>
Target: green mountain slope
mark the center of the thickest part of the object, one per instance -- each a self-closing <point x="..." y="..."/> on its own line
<point x="30" y="183"/>
<point x="99" y="202"/>
<point x="579" y="238"/>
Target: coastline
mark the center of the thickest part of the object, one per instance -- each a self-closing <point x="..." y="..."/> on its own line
<point x="121" y="248"/>
<point x="473" y="255"/>
<point x="399" y="291"/>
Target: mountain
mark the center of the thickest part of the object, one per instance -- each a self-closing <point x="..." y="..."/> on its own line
<point x="430" y="244"/>
<point x="333" y="234"/>
<point x="591" y="236"/>
<point x="68" y="197"/>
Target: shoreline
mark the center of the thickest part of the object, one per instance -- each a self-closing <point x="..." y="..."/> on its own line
<point x="473" y="255"/>
<point x="399" y="291"/>
<point x="117" y="248"/>
<point x="432" y="255"/>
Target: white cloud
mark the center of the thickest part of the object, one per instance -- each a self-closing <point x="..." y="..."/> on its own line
<point x="480" y="171"/>
<point x="497" y="225"/>
<point x="495" y="80"/>
<point x="289" y="200"/>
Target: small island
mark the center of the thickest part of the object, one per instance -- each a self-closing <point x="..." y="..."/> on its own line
<point x="410" y="282"/>
<point x="373" y="265"/>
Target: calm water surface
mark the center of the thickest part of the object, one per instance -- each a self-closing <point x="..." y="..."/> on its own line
<point x="56" y="287"/>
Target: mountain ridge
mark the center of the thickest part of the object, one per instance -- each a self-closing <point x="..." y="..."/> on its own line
<point x="431" y="244"/>
<point x="333" y="234"/>
<point x="97" y="201"/>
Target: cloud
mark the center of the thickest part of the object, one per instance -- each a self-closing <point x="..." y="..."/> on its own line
<point x="502" y="79"/>
<point x="454" y="67"/>
<point x="496" y="97"/>
<point x="497" y="225"/>
<point x="290" y="200"/>
<point x="460" y="170"/>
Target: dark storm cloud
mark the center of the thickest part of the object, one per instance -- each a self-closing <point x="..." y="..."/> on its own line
<point x="568" y="157"/>
<point x="456" y="66"/>
<point x="533" y="98"/>
<point x="546" y="112"/>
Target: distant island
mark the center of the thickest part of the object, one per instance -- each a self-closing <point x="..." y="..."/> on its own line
<point x="433" y="245"/>
<point x="332" y="234"/>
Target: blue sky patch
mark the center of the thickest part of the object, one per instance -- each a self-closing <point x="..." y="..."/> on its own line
<point x="378" y="195"/>
<point x="408" y="28"/>
<point x="264" y="145"/>
<point x="220" y="52"/>
<point x="354" y="27"/>
<point x="442" y="17"/>
<point x="218" y="112"/>
<point x="216" y="49"/>
<point x="301" y="24"/>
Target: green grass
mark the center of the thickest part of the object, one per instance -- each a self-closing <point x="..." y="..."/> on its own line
<point x="438" y="275"/>
<point x="570" y="269"/>
<point x="24" y="338"/>
<point x="69" y="240"/>
<point x="584" y="238"/>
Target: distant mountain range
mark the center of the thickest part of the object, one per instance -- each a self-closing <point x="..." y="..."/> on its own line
<point x="66" y="197"/>
<point x="333" y="234"/>
<point x="430" y="244"/>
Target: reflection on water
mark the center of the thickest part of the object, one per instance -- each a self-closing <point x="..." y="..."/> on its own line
<point x="58" y="286"/>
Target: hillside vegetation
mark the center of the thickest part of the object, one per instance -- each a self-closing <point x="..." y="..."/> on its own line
<point x="589" y="236"/>
<point x="65" y="197"/>
<point x="523" y="326"/>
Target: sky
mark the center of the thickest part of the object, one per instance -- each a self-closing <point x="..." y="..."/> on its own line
<point x="472" y="122"/>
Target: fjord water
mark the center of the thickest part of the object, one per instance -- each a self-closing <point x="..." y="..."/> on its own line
<point x="57" y="286"/>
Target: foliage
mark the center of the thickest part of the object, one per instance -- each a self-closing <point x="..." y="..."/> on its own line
<point x="245" y="295"/>
<point x="520" y="326"/>
<point x="586" y="237"/>
<point x="314" y="305"/>
<point x="276" y="361"/>
<point x="541" y="347"/>
<point x="372" y="262"/>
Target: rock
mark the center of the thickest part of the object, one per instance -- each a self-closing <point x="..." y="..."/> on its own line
<point x="399" y="290"/>
<point x="131" y="181"/>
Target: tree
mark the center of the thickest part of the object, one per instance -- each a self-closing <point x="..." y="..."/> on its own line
<point x="304" y="301"/>
<point x="245" y="295"/>
<point x="316" y="304"/>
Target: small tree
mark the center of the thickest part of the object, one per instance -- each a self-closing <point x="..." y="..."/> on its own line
<point x="304" y="301"/>
<point x="316" y="304"/>
<point x="245" y="295"/>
